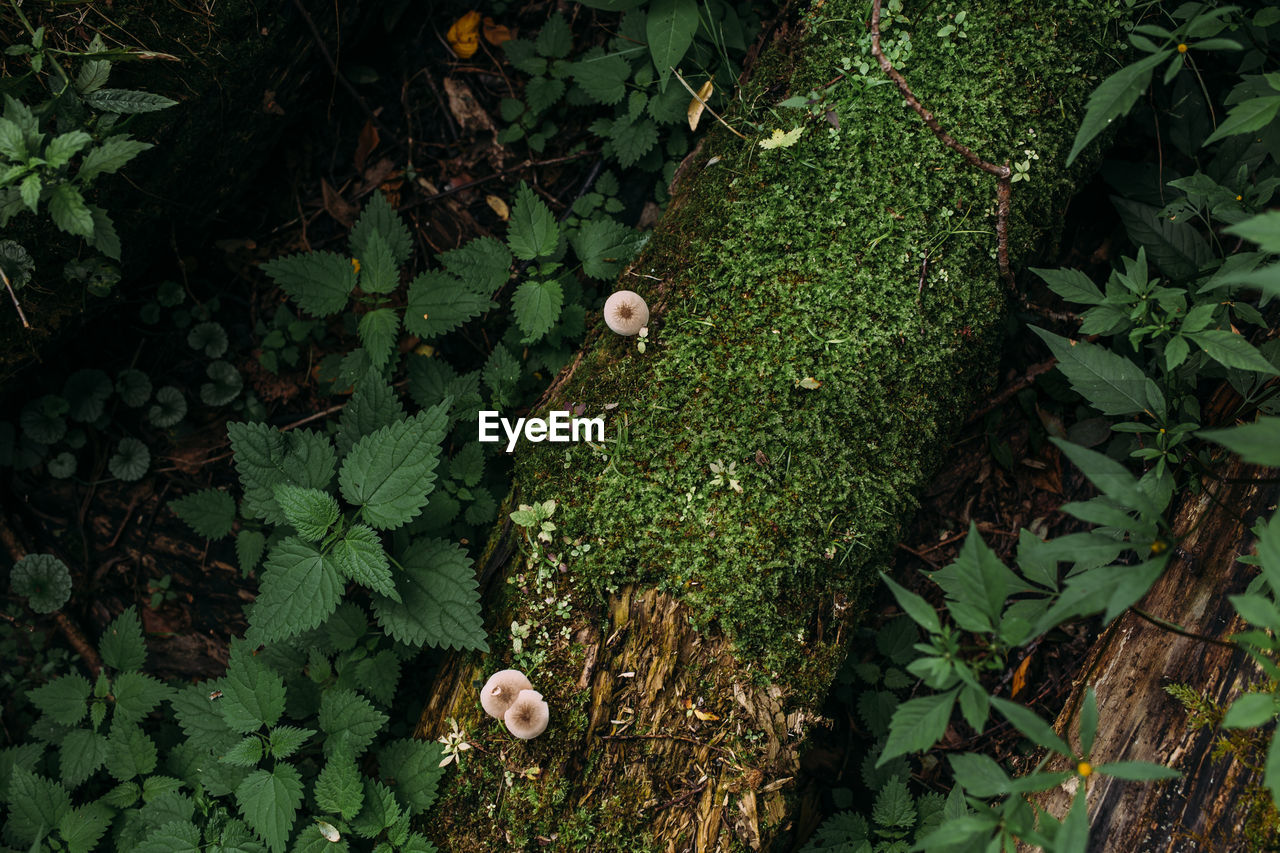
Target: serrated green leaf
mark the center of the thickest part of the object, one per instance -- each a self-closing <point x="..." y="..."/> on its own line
<point x="127" y="101"/>
<point x="373" y="405"/>
<point x="602" y="76"/>
<point x="1111" y="478"/>
<point x="269" y="801"/>
<point x="249" y="547"/>
<point x="379" y="217"/>
<point x="300" y="587"/>
<point x="1113" y="98"/>
<point x="1173" y="244"/>
<point x="1232" y="350"/>
<point x="1112" y="384"/>
<point x="501" y="373"/>
<point x="918" y="724"/>
<point x="439" y="303"/>
<point x="320" y="282"/>
<point x="284" y="741"/>
<point x="349" y="722"/>
<point x="339" y="789"/>
<point x="130" y="753"/>
<point x="361" y="558"/>
<point x="380" y="810"/>
<point x="93" y="75"/>
<point x="43" y="579"/>
<point x="175" y="836"/>
<point x="36" y="805"/>
<point x="64" y="146"/>
<point x="378" y="331"/>
<point x="482" y="264"/>
<point x="533" y="230"/>
<point x="211" y="513"/>
<point x="82" y="828"/>
<point x="265" y="457"/>
<point x="69" y="212"/>
<point x="604" y="246"/>
<point x="631" y="140"/>
<point x="247" y="753"/>
<point x="80" y="754"/>
<point x="109" y="157"/>
<point x="201" y="717"/>
<point x="311" y="512"/>
<point x="378" y="270"/>
<point x="1246" y="117"/>
<point x="390" y="472"/>
<point x="537" y="307"/>
<point x="1257" y="442"/>
<point x="440" y="599"/>
<point x="252" y="694"/>
<point x="122" y="647"/>
<point x="136" y="696"/>
<point x="29" y="191"/>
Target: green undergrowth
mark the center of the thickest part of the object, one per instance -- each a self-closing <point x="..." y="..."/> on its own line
<point x="794" y="348"/>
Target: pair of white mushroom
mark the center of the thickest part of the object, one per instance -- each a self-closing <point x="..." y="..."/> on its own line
<point x="510" y="697"/>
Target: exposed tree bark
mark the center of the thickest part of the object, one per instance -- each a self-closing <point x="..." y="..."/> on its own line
<point x="709" y="616"/>
<point x="1214" y="803"/>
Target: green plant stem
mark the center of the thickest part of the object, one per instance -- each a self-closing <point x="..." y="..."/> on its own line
<point x="1175" y="628"/>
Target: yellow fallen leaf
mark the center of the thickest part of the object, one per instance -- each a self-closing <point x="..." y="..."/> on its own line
<point x="498" y="206"/>
<point x="704" y="715"/>
<point x="782" y="140"/>
<point x="464" y="35"/>
<point x="699" y="103"/>
<point x="810" y="383"/>
<point x="496" y="34"/>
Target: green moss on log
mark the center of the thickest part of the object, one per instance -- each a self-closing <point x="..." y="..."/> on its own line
<point x="806" y="262"/>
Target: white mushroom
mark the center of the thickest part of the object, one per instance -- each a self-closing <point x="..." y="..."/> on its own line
<point x="501" y="690"/>
<point x="626" y="313"/>
<point x="528" y="715"/>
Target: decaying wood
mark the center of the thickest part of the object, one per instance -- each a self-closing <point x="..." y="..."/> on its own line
<point x="1133" y="662"/>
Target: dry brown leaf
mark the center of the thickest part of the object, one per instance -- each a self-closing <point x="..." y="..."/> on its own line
<point x="464" y="35"/>
<point x="336" y="206"/>
<point x="465" y="108"/>
<point x="699" y="103"/>
<point x="496" y="34"/>
<point x="364" y="147"/>
<point x="1020" y="678"/>
<point x="498" y="206"/>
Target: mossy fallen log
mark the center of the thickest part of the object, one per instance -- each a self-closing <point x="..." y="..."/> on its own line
<point x="823" y="314"/>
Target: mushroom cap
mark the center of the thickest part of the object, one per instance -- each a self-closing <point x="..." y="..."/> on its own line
<point x="625" y="312"/>
<point x="501" y="690"/>
<point x="528" y="715"/>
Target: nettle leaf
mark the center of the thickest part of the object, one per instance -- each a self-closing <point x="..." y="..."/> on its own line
<point x="64" y="700"/>
<point x="412" y="770"/>
<point x="894" y="805"/>
<point x="136" y="696"/>
<point x="269" y="801"/>
<point x="122" y="647"/>
<point x="1232" y="350"/>
<point x="378" y="270"/>
<point x="286" y="740"/>
<point x="300" y="587"/>
<point x="249" y="547"/>
<point x="339" y="789"/>
<point x="604" y="246"/>
<point x="64" y="146"/>
<point x="440" y="603"/>
<point x="537" y="307"/>
<point x="630" y="139"/>
<point x="109" y="157"/>
<point x="81" y="753"/>
<point x="175" y="836"/>
<point x="541" y="93"/>
<point x="378" y="334"/>
<point x="130" y="753"/>
<point x="310" y="511"/>
<point x="918" y="724"/>
<point x="360" y="557"/>
<point x="379" y="217"/>
<point x="390" y="472"/>
<point x="1113" y="98"/>
<point x="201" y="717"/>
<point x="252" y="693"/>
<point x="380" y="810"/>
<point x="247" y="753"/>
<point x="378" y="676"/>
<point x="438" y="304"/>
<point x="266" y="457"/>
<point x="320" y="282"/>
<point x="1112" y="384"/>
<point x="533" y="230"/>
<point x="602" y="76"/>
<point x="501" y="372"/>
<point x="211" y="513"/>
<point x="554" y="40"/>
<point x="373" y="405"/>
<point x="669" y="31"/>
<point x="349" y="721"/>
<point x="482" y="264"/>
<point x="36" y="805"/>
<point x="43" y="579"/>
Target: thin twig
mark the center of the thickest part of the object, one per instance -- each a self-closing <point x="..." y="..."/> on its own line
<point x="1008" y="392"/>
<point x="338" y="75"/>
<point x="14" y="297"/>
<point x="1175" y="628"/>
<point x="1003" y="174"/>
<point x="527" y="164"/>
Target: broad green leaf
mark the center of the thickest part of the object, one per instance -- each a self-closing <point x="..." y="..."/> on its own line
<point x="320" y="282"/>
<point x="311" y="512"/>
<point x="378" y="675"/>
<point x="669" y="30"/>
<point x="249" y="547"/>
<point x="378" y="270"/>
<point x="43" y="579"/>
<point x="482" y="264"/>
<point x="339" y="789"/>
<point x="1263" y="229"/>
<point x="1088" y="721"/>
<point x="127" y="101"/>
<point x="378" y="331"/>
<point x="265" y="457"/>
<point x="349" y="722"/>
<point x="914" y="606"/>
<point x="918" y="724"/>
<point x="175" y="836"/>
<point x="252" y="694"/>
<point x="269" y="801"/>
<point x="1173" y="244"/>
<point x="1232" y="350"/>
<point x="602" y="76"/>
<point x="631" y="140"/>
<point x="247" y="753"/>
<point x="104" y="239"/>
<point x="361" y="558"/>
<point x="1251" y="710"/>
<point x="1257" y="442"/>
<point x="284" y="741"/>
<point x="133" y="386"/>
<point x="604" y="246"/>
<point x="69" y="212"/>
<point x="209" y="512"/>
<point x="1111" y="478"/>
<point x="412" y="769"/>
<point x="80" y="754"/>
<point x="36" y="805"/>
<point x="1112" y="384"/>
<point x="136" y="696"/>
<point x="555" y="39"/>
<point x="373" y="405"/>
<point x="1029" y="723"/>
<point x="109" y="157"/>
<point x="438" y="303"/>
<point x="537" y="307"/>
<point x="130" y="753"/>
<point x="82" y="828"/>
<point x="300" y="587"/>
<point x="894" y="806"/>
<point x="1257" y="610"/>
<point x="379" y="217"/>
<point x="1073" y="835"/>
<point x="390" y="472"/>
<point x="130" y="461"/>
<point x="1246" y="117"/>
<point x="122" y="647"/>
<point x="533" y="230"/>
<point x="29" y="190"/>
<point x="440" y="599"/>
<point x="501" y="373"/>
<point x="979" y="774"/>
<point x="1113" y="98"/>
<point x="1071" y="285"/>
<point x="64" y="146"/>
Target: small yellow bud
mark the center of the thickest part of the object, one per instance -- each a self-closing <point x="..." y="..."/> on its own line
<point x="1182" y="48"/>
<point x="1084" y="768"/>
<point x="1158" y="547"/>
<point x="355" y="265"/>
